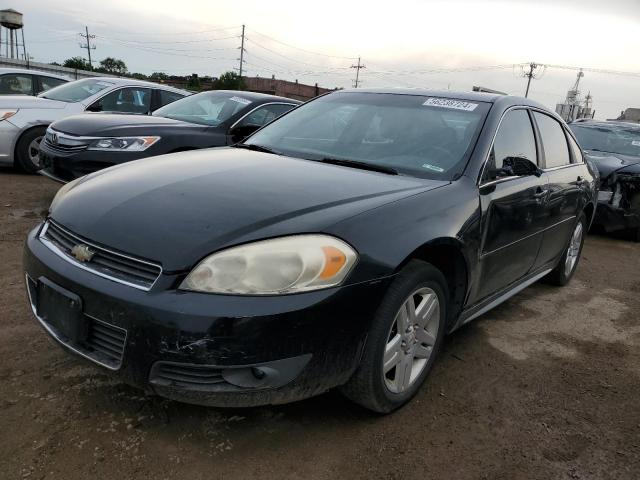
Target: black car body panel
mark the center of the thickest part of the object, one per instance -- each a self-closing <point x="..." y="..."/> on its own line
<point x="63" y="162"/>
<point x="490" y="237"/>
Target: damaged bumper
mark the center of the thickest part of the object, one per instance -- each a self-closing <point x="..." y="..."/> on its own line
<point x="619" y="204"/>
<point x="218" y="350"/>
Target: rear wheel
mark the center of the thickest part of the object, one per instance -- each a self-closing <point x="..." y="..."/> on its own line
<point x="404" y="340"/>
<point x="562" y="274"/>
<point x="28" y="148"/>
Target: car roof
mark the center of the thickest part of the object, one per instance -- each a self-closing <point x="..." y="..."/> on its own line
<point x="33" y="72"/>
<point x="122" y="81"/>
<point x="503" y="100"/>
<point x="613" y="124"/>
<point x="255" y="96"/>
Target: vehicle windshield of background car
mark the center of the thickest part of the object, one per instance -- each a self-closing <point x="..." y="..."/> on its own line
<point x="624" y="141"/>
<point x="76" y="91"/>
<point x="422" y="136"/>
<point x="208" y="108"/>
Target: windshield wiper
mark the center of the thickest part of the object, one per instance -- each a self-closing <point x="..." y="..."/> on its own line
<point x="361" y="165"/>
<point x="255" y="147"/>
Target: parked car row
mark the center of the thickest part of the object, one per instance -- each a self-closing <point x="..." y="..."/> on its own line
<point x="334" y="247"/>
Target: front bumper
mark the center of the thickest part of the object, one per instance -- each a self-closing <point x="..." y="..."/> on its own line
<point x="65" y="166"/>
<point x="615" y="218"/>
<point x="218" y="350"/>
<point x="8" y="135"/>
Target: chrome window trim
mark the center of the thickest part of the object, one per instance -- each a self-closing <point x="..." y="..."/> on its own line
<point x="493" y="140"/>
<point x="70" y="137"/>
<point x="260" y="106"/>
<point x="51" y="246"/>
<point x="55" y="336"/>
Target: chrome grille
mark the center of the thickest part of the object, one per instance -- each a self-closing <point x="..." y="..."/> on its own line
<point x="106" y="263"/>
<point x="65" y="143"/>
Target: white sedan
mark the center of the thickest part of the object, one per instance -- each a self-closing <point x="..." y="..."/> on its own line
<point x="24" y="120"/>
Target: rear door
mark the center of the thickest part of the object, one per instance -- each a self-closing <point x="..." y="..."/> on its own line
<point x="566" y="179"/>
<point x="512" y="206"/>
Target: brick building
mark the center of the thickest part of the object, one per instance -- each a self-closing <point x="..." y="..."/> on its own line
<point x="284" y="88"/>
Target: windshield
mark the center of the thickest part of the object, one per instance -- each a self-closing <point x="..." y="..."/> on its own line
<point x="207" y="108"/>
<point x="76" y="91"/>
<point x="415" y="135"/>
<point x="613" y="139"/>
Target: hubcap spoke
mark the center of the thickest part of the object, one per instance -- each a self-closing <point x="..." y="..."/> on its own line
<point x="411" y="339"/>
<point x="425" y="337"/>
<point x="392" y="353"/>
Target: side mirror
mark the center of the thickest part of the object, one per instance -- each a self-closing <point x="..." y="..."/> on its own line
<point x="520" y="166"/>
<point x="241" y="132"/>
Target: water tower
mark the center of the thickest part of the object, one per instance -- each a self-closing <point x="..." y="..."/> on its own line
<point x="10" y="27"/>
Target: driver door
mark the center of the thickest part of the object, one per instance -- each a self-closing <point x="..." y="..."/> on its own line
<point x="513" y="208"/>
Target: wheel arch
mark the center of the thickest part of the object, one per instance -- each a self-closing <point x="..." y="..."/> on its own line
<point x="589" y="210"/>
<point x="447" y="255"/>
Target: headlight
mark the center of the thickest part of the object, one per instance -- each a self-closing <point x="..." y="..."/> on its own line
<point x="62" y="192"/>
<point x="130" y="144"/>
<point x="4" y="114"/>
<point x="282" y="265"/>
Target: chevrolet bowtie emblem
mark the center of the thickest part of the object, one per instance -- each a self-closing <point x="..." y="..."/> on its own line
<point x="82" y="253"/>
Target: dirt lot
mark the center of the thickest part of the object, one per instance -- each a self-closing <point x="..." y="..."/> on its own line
<point x="546" y="386"/>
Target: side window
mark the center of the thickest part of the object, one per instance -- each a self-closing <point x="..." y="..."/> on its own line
<point x="167" y="97"/>
<point x="514" y="139"/>
<point x="554" y="141"/>
<point x="576" y="150"/>
<point x="263" y="115"/>
<point x="16" y="84"/>
<point x="47" y="83"/>
<point x="126" y="100"/>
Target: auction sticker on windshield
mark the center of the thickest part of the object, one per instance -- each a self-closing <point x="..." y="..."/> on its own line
<point x="450" y="103"/>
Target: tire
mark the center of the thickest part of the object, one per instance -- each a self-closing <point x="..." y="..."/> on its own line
<point x="384" y="392"/>
<point x="25" y="149"/>
<point x="562" y="274"/>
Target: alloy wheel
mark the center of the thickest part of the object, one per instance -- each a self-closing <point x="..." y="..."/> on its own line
<point x="33" y="150"/>
<point x="411" y="340"/>
<point x="574" y="250"/>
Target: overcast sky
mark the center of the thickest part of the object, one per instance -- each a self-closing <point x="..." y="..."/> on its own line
<point x="402" y="43"/>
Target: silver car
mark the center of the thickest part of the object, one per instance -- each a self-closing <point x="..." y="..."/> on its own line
<point x="24" y="120"/>
<point x="20" y="81"/>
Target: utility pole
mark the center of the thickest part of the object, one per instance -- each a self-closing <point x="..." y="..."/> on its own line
<point x="88" y="45"/>
<point x="241" y="52"/>
<point x="357" y="67"/>
<point x="530" y="75"/>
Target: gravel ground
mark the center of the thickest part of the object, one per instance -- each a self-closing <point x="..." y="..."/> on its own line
<point x="546" y="386"/>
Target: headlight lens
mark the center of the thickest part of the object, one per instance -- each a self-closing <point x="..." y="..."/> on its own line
<point x="4" y="114"/>
<point x="130" y="144"/>
<point x="278" y="266"/>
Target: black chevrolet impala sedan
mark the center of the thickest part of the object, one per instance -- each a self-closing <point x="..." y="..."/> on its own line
<point x="335" y="247"/>
<point x="82" y="144"/>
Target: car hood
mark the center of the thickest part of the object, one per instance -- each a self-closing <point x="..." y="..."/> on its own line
<point x="178" y="208"/>
<point x="24" y="101"/>
<point x="609" y="163"/>
<point x="111" y="124"/>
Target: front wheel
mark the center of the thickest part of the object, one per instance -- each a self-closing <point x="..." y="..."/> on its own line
<point x="562" y="274"/>
<point x="404" y="340"/>
<point x="28" y="149"/>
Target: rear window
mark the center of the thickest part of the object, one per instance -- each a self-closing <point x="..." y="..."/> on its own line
<point x="554" y="141"/>
<point x="207" y="108"/>
<point x="76" y="91"/>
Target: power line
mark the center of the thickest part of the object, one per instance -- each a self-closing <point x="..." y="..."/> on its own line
<point x="202" y="40"/>
<point x="301" y="49"/>
<point x="249" y="39"/>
